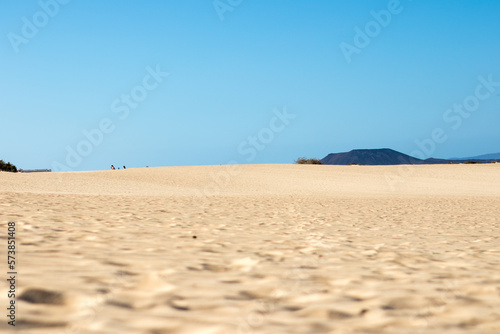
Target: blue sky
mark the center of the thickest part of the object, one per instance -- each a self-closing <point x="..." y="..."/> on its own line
<point x="235" y="68"/>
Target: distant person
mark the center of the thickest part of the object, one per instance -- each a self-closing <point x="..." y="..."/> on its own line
<point x="112" y="167"/>
<point x="124" y="167"/>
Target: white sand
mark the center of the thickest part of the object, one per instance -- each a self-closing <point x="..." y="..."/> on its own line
<point x="278" y="249"/>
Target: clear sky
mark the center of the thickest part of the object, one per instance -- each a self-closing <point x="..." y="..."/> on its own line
<point x="86" y="84"/>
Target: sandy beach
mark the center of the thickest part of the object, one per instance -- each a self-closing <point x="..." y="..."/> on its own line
<point x="255" y="249"/>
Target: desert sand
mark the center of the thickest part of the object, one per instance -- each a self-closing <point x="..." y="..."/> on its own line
<point x="255" y="249"/>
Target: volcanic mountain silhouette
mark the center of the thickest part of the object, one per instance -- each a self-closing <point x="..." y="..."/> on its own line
<point x="384" y="156"/>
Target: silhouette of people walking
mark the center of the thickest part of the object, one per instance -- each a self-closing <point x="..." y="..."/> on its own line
<point x="112" y="167"/>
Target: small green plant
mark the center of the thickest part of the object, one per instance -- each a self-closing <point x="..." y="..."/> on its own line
<point x="7" y="167"/>
<point x="305" y="161"/>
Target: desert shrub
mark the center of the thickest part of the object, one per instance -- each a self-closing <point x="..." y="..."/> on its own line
<point x="471" y="162"/>
<point x="7" y="167"/>
<point x="305" y="161"/>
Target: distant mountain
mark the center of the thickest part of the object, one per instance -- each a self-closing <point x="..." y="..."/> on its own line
<point x="386" y="156"/>
<point x="491" y="156"/>
<point x="383" y="156"/>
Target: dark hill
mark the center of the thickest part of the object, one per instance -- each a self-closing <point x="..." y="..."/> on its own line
<point x="491" y="156"/>
<point x="383" y="156"/>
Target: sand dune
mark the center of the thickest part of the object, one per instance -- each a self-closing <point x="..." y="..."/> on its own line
<point x="256" y="249"/>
